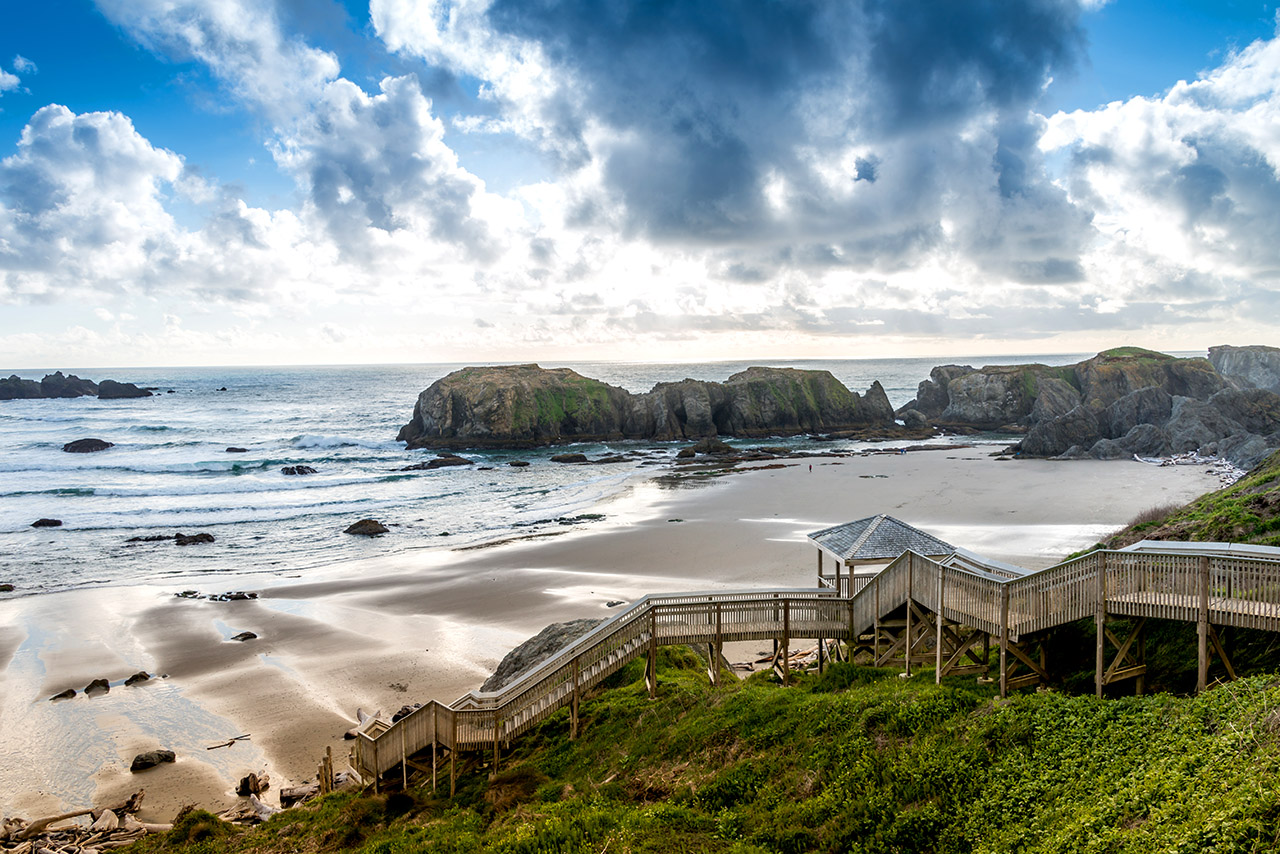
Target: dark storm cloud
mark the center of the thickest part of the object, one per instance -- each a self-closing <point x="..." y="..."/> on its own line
<point x="715" y="98"/>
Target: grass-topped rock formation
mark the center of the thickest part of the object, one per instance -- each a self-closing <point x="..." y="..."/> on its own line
<point x="1121" y="402"/>
<point x="516" y="406"/>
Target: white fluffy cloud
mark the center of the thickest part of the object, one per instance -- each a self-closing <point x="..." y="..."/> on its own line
<point x="1184" y="189"/>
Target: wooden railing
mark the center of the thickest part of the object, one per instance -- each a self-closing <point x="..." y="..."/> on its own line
<point x="1231" y="591"/>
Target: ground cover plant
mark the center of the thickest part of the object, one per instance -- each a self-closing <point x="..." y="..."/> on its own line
<point x="855" y="760"/>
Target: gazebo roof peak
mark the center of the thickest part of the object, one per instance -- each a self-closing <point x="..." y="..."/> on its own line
<point x="877" y="538"/>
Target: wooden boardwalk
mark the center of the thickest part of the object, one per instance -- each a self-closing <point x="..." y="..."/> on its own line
<point x="916" y="611"/>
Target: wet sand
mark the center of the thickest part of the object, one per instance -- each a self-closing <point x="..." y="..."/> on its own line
<point x="432" y="624"/>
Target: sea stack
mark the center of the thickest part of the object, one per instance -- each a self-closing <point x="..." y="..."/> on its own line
<point x="520" y="406"/>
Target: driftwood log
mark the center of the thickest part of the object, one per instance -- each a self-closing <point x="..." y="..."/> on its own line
<point x="113" y="826"/>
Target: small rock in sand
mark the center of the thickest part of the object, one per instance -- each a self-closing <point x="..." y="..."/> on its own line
<point x="6" y="588"/>
<point x="244" y="636"/>
<point x="64" y="695"/>
<point x="97" y="686"/>
<point x="151" y="758"/>
<point x="367" y="528"/>
<point x="192" y="539"/>
<point x="140" y="676"/>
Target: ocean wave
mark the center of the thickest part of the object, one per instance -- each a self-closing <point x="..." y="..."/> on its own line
<point x="309" y="441"/>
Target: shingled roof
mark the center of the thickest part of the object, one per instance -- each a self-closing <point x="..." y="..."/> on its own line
<point x="877" y="538"/>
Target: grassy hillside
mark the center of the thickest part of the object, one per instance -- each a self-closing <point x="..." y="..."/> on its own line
<point x="1246" y="512"/>
<point x="856" y="760"/>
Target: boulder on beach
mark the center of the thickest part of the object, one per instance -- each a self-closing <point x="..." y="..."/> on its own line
<point x="63" y="695"/>
<point x="87" y="446"/>
<point x="569" y="458"/>
<point x="537" y="649"/>
<point x="367" y="528"/>
<point x="192" y="539"/>
<point x="6" y="588"/>
<point x="712" y="446"/>
<point x="519" y="464"/>
<point x="244" y="636"/>
<point x="47" y="523"/>
<point x="151" y="759"/>
<point x="297" y="470"/>
<point x="137" y="678"/>
<point x="234" y="450"/>
<point x="97" y="686"/>
<point x="112" y="390"/>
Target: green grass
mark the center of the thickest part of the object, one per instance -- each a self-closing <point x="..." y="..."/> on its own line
<point x="856" y="760"/>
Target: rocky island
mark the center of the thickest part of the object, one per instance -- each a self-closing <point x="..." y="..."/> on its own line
<point x="1121" y="402"/>
<point x="58" y="385"/>
<point x="520" y="406"/>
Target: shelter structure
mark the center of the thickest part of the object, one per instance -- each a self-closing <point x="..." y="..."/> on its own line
<point x="868" y="545"/>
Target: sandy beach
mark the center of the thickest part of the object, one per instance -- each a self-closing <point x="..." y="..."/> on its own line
<point x="432" y="624"/>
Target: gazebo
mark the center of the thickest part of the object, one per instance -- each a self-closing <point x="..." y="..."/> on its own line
<point x="870" y="542"/>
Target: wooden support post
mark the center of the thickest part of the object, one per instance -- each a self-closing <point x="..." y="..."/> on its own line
<point x="820" y="567"/>
<point x="911" y="565"/>
<point x="573" y="709"/>
<point x="651" y="674"/>
<point x="786" y="642"/>
<point x="937" y="646"/>
<point x="1100" y="627"/>
<point x="404" y="763"/>
<point x="1140" y="683"/>
<point x="822" y="649"/>
<point x="1004" y="640"/>
<point x="433" y="763"/>
<point x="453" y="757"/>
<point x="1202" y="628"/>
<point x="718" y="650"/>
<point x="497" y="721"/>
<point x="875" y="660"/>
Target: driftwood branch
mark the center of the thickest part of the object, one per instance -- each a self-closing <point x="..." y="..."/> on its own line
<point x="229" y="742"/>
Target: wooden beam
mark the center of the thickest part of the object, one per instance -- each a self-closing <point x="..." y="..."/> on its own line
<point x="938" y="621"/>
<point x="1004" y="640"/>
<point x="1222" y="652"/>
<point x="1202" y="628"/>
<point x="911" y="564"/>
<point x="1100" y="626"/>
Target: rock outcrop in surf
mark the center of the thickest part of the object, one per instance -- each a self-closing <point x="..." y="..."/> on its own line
<point x="1121" y="402"/>
<point x="516" y="406"/>
<point x="58" y="385"/>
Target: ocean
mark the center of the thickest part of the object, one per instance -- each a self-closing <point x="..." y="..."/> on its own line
<point x="170" y="472"/>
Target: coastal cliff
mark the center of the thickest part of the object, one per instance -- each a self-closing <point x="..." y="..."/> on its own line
<point x="1121" y="402"/>
<point x="515" y="406"/>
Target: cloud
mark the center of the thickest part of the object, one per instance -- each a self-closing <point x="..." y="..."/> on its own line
<point x="796" y="128"/>
<point x="8" y="82"/>
<point x="23" y="65"/>
<point x="368" y="165"/>
<point x="1184" y="187"/>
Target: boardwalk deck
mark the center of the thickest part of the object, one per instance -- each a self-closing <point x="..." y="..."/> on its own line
<point x="948" y="608"/>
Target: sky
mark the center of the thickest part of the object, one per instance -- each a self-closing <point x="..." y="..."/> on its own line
<point x="241" y="182"/>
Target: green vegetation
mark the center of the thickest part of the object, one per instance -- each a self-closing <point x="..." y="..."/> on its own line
<point x="1137" y="354"/>
<point x="1246" y="512"/>
<point x="854" y="760"/>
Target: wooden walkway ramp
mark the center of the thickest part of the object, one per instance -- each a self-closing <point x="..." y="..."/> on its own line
<point x="916" y="611"/>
